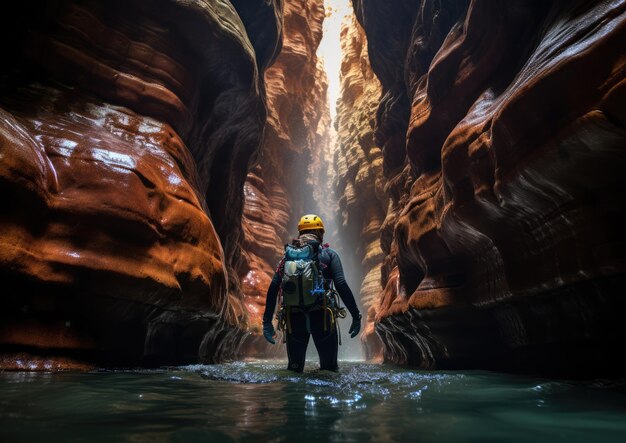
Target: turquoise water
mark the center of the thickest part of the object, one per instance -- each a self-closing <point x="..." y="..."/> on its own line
<point x="260" y="401"/>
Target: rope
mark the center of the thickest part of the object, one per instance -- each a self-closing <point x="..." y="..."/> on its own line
<point x="324" y="307"/>
<point x="338" y="332"/>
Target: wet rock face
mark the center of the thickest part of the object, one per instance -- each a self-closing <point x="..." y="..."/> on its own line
<point x="359" y="177"/>
<point x="279" y="190"/>
<point x="501" y="126"/>
<point x="126" y="132"/>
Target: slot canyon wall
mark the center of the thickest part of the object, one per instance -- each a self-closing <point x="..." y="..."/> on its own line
<point x="359" y="180"/>
<point x="502" y="129"/>
<point x="279" y="189"/>
<point x="126" y="134"/>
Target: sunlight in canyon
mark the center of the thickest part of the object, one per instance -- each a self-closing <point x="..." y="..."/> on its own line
<point x="465" y="156"/>
<point x="329" y="59"/>
<point x="329" y="50"/>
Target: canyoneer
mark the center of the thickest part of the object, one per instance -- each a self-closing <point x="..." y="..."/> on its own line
<point x="309" y="281"/>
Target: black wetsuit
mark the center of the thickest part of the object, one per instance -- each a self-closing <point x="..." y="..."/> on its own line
<point x="326" y="342"/>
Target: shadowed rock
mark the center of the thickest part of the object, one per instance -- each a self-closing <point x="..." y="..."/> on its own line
<point x="501" y="126"/>
<point x="126" y="132"/>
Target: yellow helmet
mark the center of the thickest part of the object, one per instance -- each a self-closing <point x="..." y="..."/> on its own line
<point x="309" y="222"/>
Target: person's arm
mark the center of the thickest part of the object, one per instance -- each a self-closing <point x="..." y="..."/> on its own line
<point x="336" y="271"/>
<point x="270" y="299"/>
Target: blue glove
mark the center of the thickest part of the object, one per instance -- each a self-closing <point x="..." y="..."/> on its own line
<point x="355" y="327"/>
<point x="269" y="332"/>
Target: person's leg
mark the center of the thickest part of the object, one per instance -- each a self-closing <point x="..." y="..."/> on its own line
<point x="297" y="342"/>
<point x="326" y="342"/>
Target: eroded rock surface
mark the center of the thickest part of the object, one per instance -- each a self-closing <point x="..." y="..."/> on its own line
<point x="359" y="179"/>
<point x="502" y="131"/>
<point x="126" y="134"/>
<point x="279" y="190"/>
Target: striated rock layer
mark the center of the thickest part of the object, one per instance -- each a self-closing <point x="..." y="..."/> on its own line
<point x="502" y="126"/>
<point x="359" y="180"/>
<point x="278" y="190"/>
<point x="126" y="131"/>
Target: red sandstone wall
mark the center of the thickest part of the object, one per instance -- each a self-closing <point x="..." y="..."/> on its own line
<point x="502" y="131"/>
<point x="359" y="180"/>
<point x="126" y="132"/>
<point x="276" y="191"/>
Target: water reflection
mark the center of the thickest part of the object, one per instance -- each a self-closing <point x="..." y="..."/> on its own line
<point x="262" y="401"/>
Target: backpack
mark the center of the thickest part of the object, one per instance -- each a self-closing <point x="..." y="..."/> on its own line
<point x="302" y="280"/>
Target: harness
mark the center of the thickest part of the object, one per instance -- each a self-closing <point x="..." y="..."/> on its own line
<point x="328" y="301"/>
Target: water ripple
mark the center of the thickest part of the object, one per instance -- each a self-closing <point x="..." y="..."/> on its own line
<point x="262" y="401"/>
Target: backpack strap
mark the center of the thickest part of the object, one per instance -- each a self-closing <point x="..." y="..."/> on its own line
<point x="280" y="269"/>
<point x="323" y="247"/>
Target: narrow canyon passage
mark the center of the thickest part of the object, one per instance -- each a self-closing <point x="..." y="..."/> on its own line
<point x="150" y="190"/>
<point x="465" y="157"/>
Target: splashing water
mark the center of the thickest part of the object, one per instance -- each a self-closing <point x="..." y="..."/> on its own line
<point x="261" y="401"/>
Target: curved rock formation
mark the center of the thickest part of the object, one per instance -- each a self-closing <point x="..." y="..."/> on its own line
<point x="359" y="177"/>
<point x="502" y="127"/>
<point x="279" y="189"/>
<point x="126" y="133"/>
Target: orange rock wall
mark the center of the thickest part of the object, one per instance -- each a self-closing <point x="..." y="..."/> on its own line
<point x="359" y="180"/>
<point x="278" y="190"/>
<point x="126" y="133"/>
<point x="501" y="126"/>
